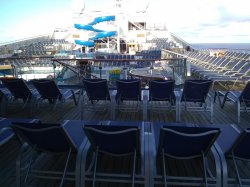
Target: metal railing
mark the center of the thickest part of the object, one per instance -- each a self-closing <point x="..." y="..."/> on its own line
<point x="72" y="71"/>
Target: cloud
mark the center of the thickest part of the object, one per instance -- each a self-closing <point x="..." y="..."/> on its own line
<point x="206" y="20"/>
<point x="194" y="20"/>
<point x="37" y="25"/>
<point x="231" y="33"/>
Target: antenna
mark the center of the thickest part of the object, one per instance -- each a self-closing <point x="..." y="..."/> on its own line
<point x="78" y="6"/>
<point x="146" y="8"/>
<point x="83" y="8"/>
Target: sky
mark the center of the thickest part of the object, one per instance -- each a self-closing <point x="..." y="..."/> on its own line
<point x="195" y="21"/>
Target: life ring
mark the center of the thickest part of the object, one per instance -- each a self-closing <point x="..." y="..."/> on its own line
<point x="50" y="77"/>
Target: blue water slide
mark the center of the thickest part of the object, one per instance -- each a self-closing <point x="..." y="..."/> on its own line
<point x="87" y="27"/>
<point x="103" y="35"/>
<point x="85" y="43"/>
<point x="100" y="33"/>
<point x="102" y="19"/>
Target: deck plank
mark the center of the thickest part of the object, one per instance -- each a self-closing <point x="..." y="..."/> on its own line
<point x="9" y="151"/>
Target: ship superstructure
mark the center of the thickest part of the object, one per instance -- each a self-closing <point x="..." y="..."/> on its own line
<point x="119" y="30"/>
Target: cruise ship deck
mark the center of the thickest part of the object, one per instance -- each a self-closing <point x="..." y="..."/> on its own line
<point x="151" y="120"/>
<point x="174" y="65"/>
<point x="9" y="151"/>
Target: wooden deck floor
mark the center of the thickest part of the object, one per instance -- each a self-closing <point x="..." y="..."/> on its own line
<point x="9" y="151"/>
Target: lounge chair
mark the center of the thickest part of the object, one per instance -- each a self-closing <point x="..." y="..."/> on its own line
<point x="230" y="78"/>
<point x="49" y="90"/>
<point x="5" y="98"/>
<point x="240" y="98"/>
<point x="238" y="152"/>
<point x="180" y="143"/>
<point x="98" y="97"/>
<point x="114" y="140"/>
<point x="240" y="69"/>
<point x="128" y="96"/>
<point x="195" y="97"/>
<point x="5" y="133"/>
<point x="20" y="90"/>
<point x="161" y="95"/>
<point x="58" y="140"/>
<point x="233" y="148"/>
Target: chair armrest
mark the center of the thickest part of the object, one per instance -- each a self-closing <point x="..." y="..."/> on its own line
<point x="144" y="104"/>
<point x="233" y="96"/>
<point x="178" y="95"/>
<point x="3" y="140"/>
<point x="112" y="94"/>
<point x="209" y="95"/>
<point x="238" y="74"/>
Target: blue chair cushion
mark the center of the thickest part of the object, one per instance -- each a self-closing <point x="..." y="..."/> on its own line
<point x="6" y="122"/>
<point x="186" y="142"/>
<point x="43" y="136"/>
<point x="113" y="139"/>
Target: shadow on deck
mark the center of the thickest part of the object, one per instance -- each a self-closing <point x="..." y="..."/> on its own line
<point x="9" y="151"/>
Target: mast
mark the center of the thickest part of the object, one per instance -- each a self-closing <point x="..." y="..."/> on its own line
<point x="78" y="7"/>
<point x="118" y="8"/>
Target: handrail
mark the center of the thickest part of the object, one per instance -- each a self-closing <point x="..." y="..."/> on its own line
<point x="127" y="60"/>
<point x="25" y="39"/>
<point x="86" y="69"/>
<point x="180" y="39"/>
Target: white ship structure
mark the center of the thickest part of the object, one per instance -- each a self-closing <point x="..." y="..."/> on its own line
<point x="109" y="35"/>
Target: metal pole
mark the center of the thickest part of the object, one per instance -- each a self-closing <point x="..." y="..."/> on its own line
<point x="118" y="35"/>
<point x="14" y="71"/>
<point x="54" y="69"/>
<point x="100" y="68"/>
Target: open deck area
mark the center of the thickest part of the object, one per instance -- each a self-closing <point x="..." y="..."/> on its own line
<point x="146" y="118"/>
<point x="46" y="114"/>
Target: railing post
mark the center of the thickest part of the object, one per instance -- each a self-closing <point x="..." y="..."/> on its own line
<point x="100" y="69"/>
<point x="14" y="70"/>
<point x="173" y="71"/>
<point x="54" y="69"/>
<point x="124" y="73"/>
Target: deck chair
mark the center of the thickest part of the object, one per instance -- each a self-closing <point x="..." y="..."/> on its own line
<point x="195" y="97"/>
<point x="233" y="146"/>
<point x="20" y="90"/>
<point x="49" y="90"/>
<point x="160" y="92"/>
<point x="63" y="141"/>
<point x="117" y="141"/>
<point x="185" y="143"/>
<point x="5" y="98"/>
<point x="239" y="151"/>
<point x="98" y="97"/>
<point x="128" y="97"/>
<point x="5" y="133"/>
<point x="240" y="98"/>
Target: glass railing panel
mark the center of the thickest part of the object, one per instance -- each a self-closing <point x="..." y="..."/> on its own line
<point x="112" y="67"/>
